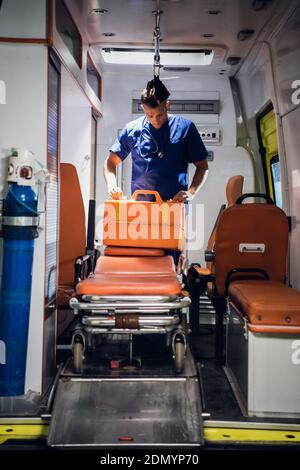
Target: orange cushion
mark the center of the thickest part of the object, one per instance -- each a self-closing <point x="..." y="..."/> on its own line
<point x="112" y="284"/>
<point x="266" y="302"/>
<point x="128" y="251"/>
<point x="135" y="265"/>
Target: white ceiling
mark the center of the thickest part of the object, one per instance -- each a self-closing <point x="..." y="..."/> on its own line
<point x="183" y="24"/>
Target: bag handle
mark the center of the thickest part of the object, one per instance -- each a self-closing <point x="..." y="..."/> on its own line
<point x="147" y="191"/>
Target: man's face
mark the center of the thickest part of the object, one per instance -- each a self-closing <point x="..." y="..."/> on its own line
<point x="156" y="116"/>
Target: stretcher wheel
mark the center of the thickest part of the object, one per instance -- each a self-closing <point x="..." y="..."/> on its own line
<point x="77" y="356"/>
<point x="179" y="356"/>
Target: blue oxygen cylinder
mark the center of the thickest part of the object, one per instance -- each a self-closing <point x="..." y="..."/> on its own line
<point x="20" y="222"/>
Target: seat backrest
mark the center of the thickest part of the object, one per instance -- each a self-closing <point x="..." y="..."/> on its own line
<point x="72" y="231"/>
<point x="234" y="189"/>
<point x="242" y="224"/>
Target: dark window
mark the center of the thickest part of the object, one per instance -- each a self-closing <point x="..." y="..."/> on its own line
<point x="93" y="77"/>
<point x="68" y="31"/>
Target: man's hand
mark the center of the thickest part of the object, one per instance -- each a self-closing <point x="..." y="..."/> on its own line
<point x="183" y="196"/>
<point x="110" y="171"/>
<point x="115" y="192"/>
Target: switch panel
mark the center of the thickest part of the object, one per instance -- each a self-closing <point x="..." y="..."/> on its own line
<point x="210" y="135"/>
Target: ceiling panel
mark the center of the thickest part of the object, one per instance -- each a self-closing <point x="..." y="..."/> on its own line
<point x="183" y="22"/>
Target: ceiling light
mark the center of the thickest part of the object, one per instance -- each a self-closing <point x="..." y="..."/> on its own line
<point x="99" y="10"/>
<point x="245" y="34"/>
<point x="233" y="60"/>
<point x="169" y="57"/>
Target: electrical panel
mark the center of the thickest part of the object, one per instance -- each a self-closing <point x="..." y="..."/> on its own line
<point x="211" y="135"/>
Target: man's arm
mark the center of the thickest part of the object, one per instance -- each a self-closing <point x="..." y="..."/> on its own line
<point x="110" y="171"/>
<point x="198" y="180"/>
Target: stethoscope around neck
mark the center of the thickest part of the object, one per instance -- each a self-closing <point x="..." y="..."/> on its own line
<point x="145" y="131"/>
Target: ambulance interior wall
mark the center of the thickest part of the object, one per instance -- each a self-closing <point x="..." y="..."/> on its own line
<point x="269" y="75"/>
<point x="23" y="123"/>
<point x="228" y="159"/>
<point x="76" y="132"/>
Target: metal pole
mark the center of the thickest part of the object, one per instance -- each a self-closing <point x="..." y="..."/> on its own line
<point x="157" y="35"/>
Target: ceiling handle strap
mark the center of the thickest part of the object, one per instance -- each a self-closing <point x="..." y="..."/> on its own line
<point x="157" y="35"/>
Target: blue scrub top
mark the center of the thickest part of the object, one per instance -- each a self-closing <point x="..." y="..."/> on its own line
<point x="177" y="141"/>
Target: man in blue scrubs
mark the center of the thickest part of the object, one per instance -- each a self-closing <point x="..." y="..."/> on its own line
<point x="161" y="147"/>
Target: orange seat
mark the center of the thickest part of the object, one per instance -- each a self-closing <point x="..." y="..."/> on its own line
<point x="234" y="189"/>
<point x="70" y="222"/>
<point x="254" y="223"/>
<point x="266" y="304"/>
<point x="138" y="266"/>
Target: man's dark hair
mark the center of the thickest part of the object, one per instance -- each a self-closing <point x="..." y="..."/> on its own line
<point x="155" y="93"/>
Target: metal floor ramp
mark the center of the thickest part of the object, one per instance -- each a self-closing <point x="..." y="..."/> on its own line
<point x="126" y="411"/>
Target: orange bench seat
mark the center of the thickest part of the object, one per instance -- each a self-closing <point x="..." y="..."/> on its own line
<point x="269" y="306"/>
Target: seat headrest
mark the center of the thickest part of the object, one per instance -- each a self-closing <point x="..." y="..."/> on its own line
<point x="234" y="189"/>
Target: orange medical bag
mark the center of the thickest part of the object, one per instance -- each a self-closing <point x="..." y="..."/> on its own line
<point x="144" y="224"/>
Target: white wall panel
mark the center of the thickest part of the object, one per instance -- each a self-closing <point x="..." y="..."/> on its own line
<point x="23" y="123"/>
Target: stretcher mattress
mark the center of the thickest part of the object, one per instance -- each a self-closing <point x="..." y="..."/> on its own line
<point x="132" y="276"/>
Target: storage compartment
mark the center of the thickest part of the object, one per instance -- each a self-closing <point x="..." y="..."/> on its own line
<point x="263" y="370"/>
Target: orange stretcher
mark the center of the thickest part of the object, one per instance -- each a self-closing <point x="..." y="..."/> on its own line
<point x="134" y="289"/>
